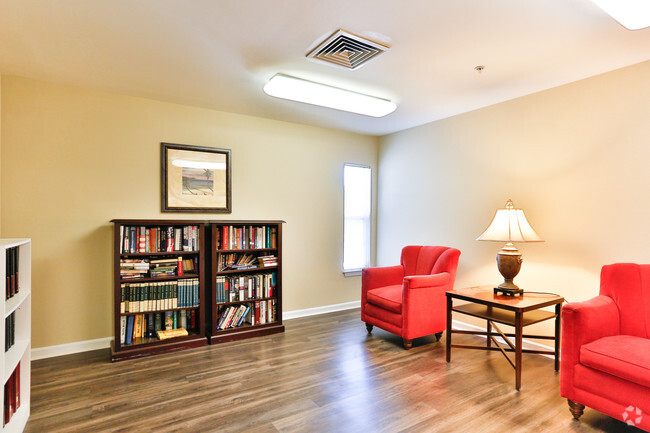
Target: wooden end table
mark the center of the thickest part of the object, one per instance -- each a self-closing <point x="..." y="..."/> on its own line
<point x="518" y="311"/>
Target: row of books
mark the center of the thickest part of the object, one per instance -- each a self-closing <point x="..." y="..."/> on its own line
<point x="237" y="261"/>
<point x="12" y="396"/>
<point x="153" y="268"/>
<point x="159" y="295"/>
<point x="246" y="237"/>
<point x="253" y="313"/>
<point x="141" y="239"/>
<point x="243" y="287"/>
<point x="11" y="285"/>
<point x="10" y="331"/>
<point x="147" y="325"/>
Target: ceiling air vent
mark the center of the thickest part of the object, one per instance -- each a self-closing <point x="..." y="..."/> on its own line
<point x="346" y="50"/>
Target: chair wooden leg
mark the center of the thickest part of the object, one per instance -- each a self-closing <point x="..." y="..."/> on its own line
<point x="407" y="343"/>
<point x="369" y="328"/>
<point x="576" y="409"/>
<point x="438" y="336"/>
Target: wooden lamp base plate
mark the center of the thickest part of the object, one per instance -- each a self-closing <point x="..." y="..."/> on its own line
<point x="506" y="291"/>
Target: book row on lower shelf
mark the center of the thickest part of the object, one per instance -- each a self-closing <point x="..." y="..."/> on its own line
<point x="250" y="313"/>
<point x="11" y="285"/>
<point x="10" y="331"/>
<point x="141" y="239"/>
<point x="159" y="295"/>
<point x="244" y="287"/>
<point x="150" y="325"/>
<point x="11" y="396"/>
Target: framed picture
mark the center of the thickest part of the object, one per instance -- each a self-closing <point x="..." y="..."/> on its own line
<point x="195" y="179"/>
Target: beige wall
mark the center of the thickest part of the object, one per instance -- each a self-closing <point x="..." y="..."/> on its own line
<point x="74" y="159"/>
<point x="576" y="158"/>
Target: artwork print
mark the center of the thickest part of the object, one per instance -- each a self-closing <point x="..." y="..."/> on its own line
<point x="195" y="179"/>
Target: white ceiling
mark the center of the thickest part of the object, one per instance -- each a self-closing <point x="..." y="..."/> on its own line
<point x="220" y="53"/>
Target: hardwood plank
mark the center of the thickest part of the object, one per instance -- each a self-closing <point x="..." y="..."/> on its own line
<point x="324" y="374"/>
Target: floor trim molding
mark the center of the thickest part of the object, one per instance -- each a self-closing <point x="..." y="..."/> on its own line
<point x="103" y="343"/>
<point x="320" y="310"/>
<point x="70" y="348"/>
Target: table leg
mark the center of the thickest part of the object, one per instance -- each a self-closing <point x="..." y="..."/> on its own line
<point x="489" y="327"/>
<point x="449" y="306"/>
<point x="558" y="311"/>
<point x="518" y="343"/>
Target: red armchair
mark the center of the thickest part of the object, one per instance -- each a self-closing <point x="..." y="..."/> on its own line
<point x="606" y="347"/>
<point x="409" y="299"/>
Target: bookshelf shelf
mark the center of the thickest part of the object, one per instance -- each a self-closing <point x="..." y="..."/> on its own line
<point x="163" y="253"/>
<point x="13" y="357"/>
<point x="15" y="301"/>
<point x="219" y="304"/>
<point x="134" y="331"/>
<point x="152" y="279"/>
<point x="261" y="314"/>
<point x="16" y="359"/>
<point x="247" y="250"/>
<point x="246" y="271"/>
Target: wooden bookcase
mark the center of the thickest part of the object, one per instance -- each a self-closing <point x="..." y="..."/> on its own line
<point x="186" y="306"/>
<point x="16" y="360"/>
<point x="253" y="239"/>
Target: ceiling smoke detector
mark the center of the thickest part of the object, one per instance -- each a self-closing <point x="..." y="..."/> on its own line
<point x="346" y="50"/>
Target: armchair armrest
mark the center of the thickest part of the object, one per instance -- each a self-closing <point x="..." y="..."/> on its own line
<point x="423" y="281"/>
<point x="371" y="278"/>
<point x="582" y="323"/>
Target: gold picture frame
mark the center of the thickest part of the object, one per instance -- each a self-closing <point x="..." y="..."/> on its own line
<point x="195" y="179"/>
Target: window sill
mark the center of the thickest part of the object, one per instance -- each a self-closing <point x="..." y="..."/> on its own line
<point x="352" y="273"/>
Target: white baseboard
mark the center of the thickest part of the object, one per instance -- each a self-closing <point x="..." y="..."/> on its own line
<point x="103" y="343"/>
<point x="526" y="344"/>
<point x="70" y="348"/>
<point x="320" y="310"/>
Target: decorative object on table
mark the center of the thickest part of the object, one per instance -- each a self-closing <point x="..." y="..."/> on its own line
<point x="605" y="346"/>
<point x="509" y="225"/>
<point x="409" y="299"/>
<point x="195" y="179"/>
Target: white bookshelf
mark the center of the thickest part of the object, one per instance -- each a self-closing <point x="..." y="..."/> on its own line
<point x="21" y="303"/>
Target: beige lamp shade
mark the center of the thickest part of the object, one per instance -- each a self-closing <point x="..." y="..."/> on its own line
<point x="510" y="225"/>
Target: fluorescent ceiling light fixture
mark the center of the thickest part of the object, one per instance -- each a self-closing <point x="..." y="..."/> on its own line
<point x="309" y="92"/>
<point x="632" y="14"/>
<point x="199" y="164"/>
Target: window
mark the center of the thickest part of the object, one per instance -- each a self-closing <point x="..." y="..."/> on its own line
<point x="357" y="184"/>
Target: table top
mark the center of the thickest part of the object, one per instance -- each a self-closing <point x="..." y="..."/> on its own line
<point x="485" y="295"/>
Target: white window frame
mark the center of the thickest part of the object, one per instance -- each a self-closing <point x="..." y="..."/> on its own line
<point x="366" y="220"/>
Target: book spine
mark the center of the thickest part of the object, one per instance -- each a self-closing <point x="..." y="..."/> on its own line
<point x="170" y="239"/>
<point x="129" y="330"/>
<point x="121" y="247"/>
<point x="123" y="329"/>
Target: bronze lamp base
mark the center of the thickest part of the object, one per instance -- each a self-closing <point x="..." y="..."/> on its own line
<point x="509" y="264"/>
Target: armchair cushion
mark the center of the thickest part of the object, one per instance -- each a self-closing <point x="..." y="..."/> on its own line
<point x="389" y="298"/>
<point x="623" y="356"/>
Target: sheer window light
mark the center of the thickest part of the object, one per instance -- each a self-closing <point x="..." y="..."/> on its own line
<point x="357" y="184"/>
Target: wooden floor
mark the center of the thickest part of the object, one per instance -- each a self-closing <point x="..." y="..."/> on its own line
<point x="325" y="374"/>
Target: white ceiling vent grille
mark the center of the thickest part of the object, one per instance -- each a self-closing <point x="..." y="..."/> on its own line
<point x="346" y="50"/>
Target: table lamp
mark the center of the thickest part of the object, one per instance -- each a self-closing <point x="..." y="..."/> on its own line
<point x="509" y="225"/>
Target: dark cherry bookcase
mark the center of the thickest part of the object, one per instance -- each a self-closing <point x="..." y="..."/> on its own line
<point x="217" y="306"/>
<point x="150" y="346"/>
